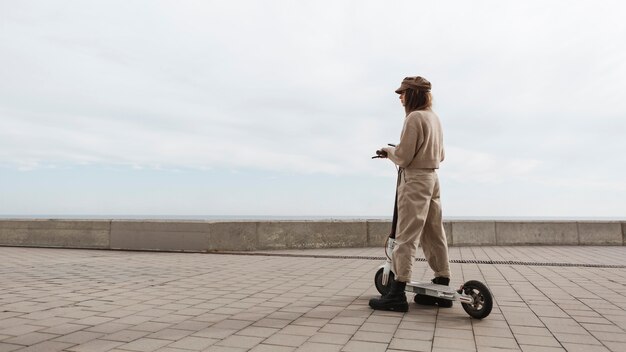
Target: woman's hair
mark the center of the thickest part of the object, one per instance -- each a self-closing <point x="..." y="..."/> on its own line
<point x="417" y="100"/>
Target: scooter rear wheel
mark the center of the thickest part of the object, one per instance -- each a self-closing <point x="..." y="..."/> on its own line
<point x="383" y="289"/>
<point x="483" y="301"/>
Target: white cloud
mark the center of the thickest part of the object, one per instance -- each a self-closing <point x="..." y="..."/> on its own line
<point x="470" y="166"/>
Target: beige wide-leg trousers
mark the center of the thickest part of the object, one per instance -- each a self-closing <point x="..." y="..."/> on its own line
<point x="419" y="219"/>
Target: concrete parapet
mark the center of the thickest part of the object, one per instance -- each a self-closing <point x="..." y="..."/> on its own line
<point x="203" y="236"/>
<point x="55" y="233"/>
<point x="377" y="232"/>
<point x="311" y="234"/>
<point x="599" y="233"/>
<point x="512" y="233"/>
<point x="473" y="233"/>
<point x="233" y="236"/>
<point x="160" y="235"/>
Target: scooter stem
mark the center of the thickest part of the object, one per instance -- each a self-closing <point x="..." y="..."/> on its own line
<point x="387" y="266"/>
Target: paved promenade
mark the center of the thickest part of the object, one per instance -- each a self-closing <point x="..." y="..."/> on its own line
<point x="546" y="299"/>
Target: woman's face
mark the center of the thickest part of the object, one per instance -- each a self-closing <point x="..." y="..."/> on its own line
<point x="402" y="98"/>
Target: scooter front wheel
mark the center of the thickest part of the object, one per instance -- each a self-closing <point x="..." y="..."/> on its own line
<point x="483" y="301"/>
<point x="383" y="289"/>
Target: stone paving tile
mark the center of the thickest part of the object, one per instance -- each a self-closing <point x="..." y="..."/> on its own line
<point x="272" y="348"/>
<point x="7" y="347"/>
<point x="615" y="346"/>
<point x="456" y="344"/>
<point x="150" y="326"/>
<point x="547" y="341"/>
<point x="336" y="339"/>
<point x="348" y="320"/>
<point x="96" y="346"/>
<point x="339" y="328"/>
<point x="319" y="347"/>
<point x="318" y="322"/>
<point x="170" y="334"/>
<point x="240" y="341"/>
<point x="21" y="330"/>
<point x="163" y="349"/>
<point x="125" y="335"/>
<point x="193" y="343"/>
<point x="64" y="329"/>
<point x="231" y="324"/>
<point x="51" y="321"/>
<point x="576" y="347"/>
<point x="529" y="348"/>
<point x="500" y="342"/>
<point x="527" y="330"/>
<point x="215" y="333"/>
<point x="300" y="330"/>
<point x="225" y="349"/>
<point x="191" y="325"/>
<point x="91" y="301"/>
<point x="107" y="328"/>
<point x="47" y="346"/>
<point x="373" y="336"/>
<point x="491" y="331"/>
<point x="78" y="337"/>
<point x="420" y="334"/>
<point x="453" y="333"/>
<point x="410" y="345"/>
<point x="258" y="331"/>
<point x="263" y="320"/>
<point x="30" y="338"/>
<point x="585" y="339"/>
<point x="376" y="327"/>
<point x="286" y="340"/>
<point x="145" y="344"/>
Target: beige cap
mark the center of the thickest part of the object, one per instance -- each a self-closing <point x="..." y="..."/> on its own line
<point x="417" y="83"/>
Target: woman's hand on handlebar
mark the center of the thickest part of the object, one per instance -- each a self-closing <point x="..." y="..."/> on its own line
<point x="380" y="154"/>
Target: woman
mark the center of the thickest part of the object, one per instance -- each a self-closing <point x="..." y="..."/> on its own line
<point x="419" y="209"/>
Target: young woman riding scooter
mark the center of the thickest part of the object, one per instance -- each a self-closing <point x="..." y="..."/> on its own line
<point x="418" y="205"/>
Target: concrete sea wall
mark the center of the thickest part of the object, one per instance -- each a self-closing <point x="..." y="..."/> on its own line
<point x="203" y="236"/>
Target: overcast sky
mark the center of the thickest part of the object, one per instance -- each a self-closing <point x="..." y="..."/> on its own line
<point x="275" y="107"/>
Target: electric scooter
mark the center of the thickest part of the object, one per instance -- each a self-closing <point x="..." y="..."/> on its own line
<point x="474" y="296"/>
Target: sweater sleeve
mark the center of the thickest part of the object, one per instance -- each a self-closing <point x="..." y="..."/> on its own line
<point x="404" y="152"/>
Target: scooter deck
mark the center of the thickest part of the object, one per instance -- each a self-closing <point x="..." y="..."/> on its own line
<point x="430" y="289"/>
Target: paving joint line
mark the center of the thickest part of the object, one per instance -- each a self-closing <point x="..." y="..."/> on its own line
<point x="456" y="261"/>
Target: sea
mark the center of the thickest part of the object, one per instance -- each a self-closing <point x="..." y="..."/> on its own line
<point x="291" y="217"/>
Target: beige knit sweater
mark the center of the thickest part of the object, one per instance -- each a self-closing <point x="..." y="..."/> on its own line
<point x="421" y="142"/>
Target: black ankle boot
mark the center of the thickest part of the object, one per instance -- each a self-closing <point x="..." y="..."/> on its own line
<point x="395" y="300"/>
<point x="440" y="280"/>
<point x="434" y="301"/>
